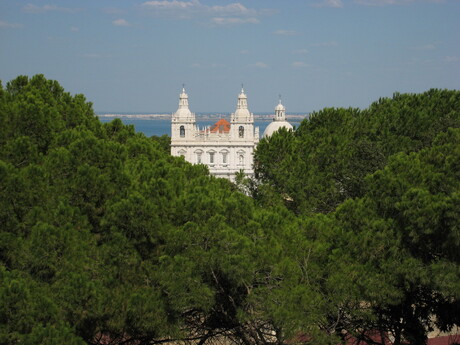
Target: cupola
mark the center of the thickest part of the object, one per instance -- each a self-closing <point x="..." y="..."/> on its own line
<point x="279" y="121"/>
<point x="183" y="111"/>
<point x="242" y="113"/>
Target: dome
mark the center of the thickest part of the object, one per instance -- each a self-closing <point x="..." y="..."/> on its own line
<point x="276" y="125"/>
<point x="279" y="121"/>
<point x="183" y="111"/>
<point x="242" y="113"/>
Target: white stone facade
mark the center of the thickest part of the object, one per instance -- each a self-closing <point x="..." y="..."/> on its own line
<point x="226" y="148"/>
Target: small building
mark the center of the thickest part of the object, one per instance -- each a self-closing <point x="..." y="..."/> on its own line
<point x="225" y="147"/>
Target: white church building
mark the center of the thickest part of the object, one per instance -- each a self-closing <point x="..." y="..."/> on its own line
<point x="225" y="147"/>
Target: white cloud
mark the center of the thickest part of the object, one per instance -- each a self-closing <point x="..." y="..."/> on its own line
<point x="31" y="8"/>
<point x="94" y="56"/>
<point x="233" y="13"/>
<point x="233" y="9"/>
<point x="299" y="64"/>
<point x="8" y="25"/>
<point x="326" y="44"/>
<point x="420" y="61"/>
<point x="175" y="5"/>
<point x="329" y="3"/>
<point x="392" y="2"/>
<point x="112" y="10"/>
<point x="301" y="51"/>
<point x="380" y="2"/>
<point x="451" y="59"/>
<point x="120" y="22"/>
<point x="425" y="47"/>
<point x="171" y="5"/>
<point x="234" y="20"/>
<point x="208" y="65"/>
<point x="260" y="64"/>
<point x="285" y="32"/>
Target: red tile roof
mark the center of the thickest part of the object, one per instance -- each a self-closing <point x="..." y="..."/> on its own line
<point x="445" y="340"/>
<point x="221" y="126"/>
<point x="375" y="337"/>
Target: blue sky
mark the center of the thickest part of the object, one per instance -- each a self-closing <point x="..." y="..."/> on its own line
<point x="134" y="55"/>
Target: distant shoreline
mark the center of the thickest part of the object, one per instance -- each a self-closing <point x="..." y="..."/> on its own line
<point x="199" y="116"/>
<point x="140" y="116"/>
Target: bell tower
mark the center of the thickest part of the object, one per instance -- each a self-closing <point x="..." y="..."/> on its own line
<point x="242" y="121"/>
<point x="183" y="120"/>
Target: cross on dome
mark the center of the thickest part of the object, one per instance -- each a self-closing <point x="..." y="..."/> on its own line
<point x="280" y="111"/>
<point x="242" y="112"/>
<point x="183" y="94"/>
<point x="242" y="94"/>
<point x="242" y="99"/>
<point x="183" y="103"/>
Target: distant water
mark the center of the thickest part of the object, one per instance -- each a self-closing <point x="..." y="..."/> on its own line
<point x="149" y="127"/>
<point x="161" y="126"/>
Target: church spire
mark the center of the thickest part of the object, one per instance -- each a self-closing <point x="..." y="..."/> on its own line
<point x="183" y="99"/>
<point x="242" y="113"/>
<point x="280" y="111"/>
<point x="183" y="112"/>
<point x="242" y="100"/>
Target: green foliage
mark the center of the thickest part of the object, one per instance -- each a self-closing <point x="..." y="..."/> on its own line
<point x="38" y="109"/>
<point x="388" y="179"/>
<point x="387" y="248"/>
<point x="52" y="335"/>
<point x="353" y="228"/>
<point x="327" y="159"/>
<point x="105" y="236"/>
<point x="164" y="143"/>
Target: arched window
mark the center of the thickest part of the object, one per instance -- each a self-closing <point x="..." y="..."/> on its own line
<point x="182" y="153"/>
<point x="182" y="131"/>
<point x="241" y="132"/>
<point x="240" y="157"/>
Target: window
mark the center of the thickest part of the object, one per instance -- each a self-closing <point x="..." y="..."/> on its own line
<point x="182" y="153"/>
<point x="182" y="131"/>
<point x="211" y="157"/>
<point x="198" y="156"/>
<point x="241" y="132"/>
<point x="241" y="159"/>
<point x="224" y="154"/>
